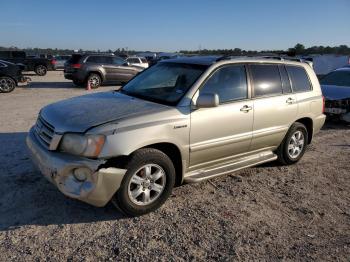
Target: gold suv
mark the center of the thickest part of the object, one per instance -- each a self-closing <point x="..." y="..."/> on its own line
<point x="181" y="120"/>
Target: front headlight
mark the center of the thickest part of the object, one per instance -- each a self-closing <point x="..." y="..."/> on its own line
<point x="82" y="145"/>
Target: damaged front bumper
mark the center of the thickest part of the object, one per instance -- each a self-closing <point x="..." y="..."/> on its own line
<point x="98" y="187"/>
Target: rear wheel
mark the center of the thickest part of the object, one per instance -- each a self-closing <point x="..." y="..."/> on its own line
<point x="148" y="182"/>
<point x="7" y="84"/>
<point x="40" y="70"/>
<point x="94" y="80"/>
<point x="293" y="145"/>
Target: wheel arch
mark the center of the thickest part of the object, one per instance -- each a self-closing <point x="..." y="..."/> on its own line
<point x="170" y="149"/>
<point x="97" y="73"/>
<point x="2" y="75"/>
<point x="308" y="123"/>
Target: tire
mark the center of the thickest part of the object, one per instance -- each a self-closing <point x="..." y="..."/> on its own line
<point x="95" y="80"/>
<point x="7" y="84"/>
<point x="40" y="70"/>
<point x="131" y="197"/>
<point x="293" y="145"/>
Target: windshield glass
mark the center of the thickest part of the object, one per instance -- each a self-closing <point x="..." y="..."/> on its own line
<point x="165" y="83"/>
<point x="337" y="78"/>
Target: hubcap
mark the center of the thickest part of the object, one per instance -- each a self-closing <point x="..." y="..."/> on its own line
<point x="146" y="184"/>
<point x="41" y="70"/>
<point x="6" y="84"/>
<point x="94" y="81"/>
<point x="296" y="144"/>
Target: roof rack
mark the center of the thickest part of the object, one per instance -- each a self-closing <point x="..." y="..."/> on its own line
<point x="280" y="58"/>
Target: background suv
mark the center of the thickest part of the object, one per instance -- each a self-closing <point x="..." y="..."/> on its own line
<point x="138" y="61"/>
<point x="181" y="120"/>
<point x="98" y="69"/>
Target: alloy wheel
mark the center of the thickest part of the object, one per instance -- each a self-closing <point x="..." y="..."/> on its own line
<point x="146" y="184"/>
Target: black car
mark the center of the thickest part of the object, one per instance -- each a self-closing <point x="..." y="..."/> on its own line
<point x="10" y="75"/>
<point x="98" y="69"/>
<point x="39" y="65"/>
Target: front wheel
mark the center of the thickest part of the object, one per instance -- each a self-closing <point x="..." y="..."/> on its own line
<point x="7" y="84"/>
<point x="293" y="145"/>
<point x="148" y="182"/>
<point x="40" y="70"/>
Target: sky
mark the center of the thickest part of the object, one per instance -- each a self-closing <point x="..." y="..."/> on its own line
<point x="173" y="25"/>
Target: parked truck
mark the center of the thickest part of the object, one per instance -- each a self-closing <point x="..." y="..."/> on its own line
<point x="39" y="65"/>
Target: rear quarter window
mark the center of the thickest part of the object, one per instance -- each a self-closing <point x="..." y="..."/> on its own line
<point x="299" y="78"/>
<point x="266" y="80"/>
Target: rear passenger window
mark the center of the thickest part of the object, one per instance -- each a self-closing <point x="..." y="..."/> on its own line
<point x="286" y="88"/>
<point x="99" y="60"/>
<point x="266" y="79"/>
<point x="229" y="82"/>
<point x="300" y="81"/>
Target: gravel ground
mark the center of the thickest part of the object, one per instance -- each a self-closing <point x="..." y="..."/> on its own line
<point x="300" y="212"/>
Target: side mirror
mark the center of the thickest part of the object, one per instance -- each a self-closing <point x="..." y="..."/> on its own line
<point x="207" y="100"/>
<point x="126" y="64"/>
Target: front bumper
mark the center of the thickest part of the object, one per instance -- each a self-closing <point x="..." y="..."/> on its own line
<point x="58" y="168"/>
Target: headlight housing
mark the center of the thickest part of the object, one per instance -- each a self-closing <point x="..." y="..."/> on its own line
<point x="82" y="145"/>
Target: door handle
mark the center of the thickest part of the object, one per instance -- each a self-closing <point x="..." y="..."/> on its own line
<point x="290" y="101"/>
<point x="246" y="109"/>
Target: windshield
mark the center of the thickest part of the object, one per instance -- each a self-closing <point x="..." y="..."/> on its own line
<point x="337" y="78"/>
<point x="165" y="83"/>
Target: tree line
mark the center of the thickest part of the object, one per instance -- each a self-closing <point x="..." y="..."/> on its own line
<point x="298" y="49"/>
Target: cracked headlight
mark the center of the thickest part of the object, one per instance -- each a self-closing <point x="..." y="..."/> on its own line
<point x="82" y="145"/>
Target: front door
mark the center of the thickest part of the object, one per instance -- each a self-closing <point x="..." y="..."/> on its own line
<point x="118" y="71"/>
<point x="221" y="132"/>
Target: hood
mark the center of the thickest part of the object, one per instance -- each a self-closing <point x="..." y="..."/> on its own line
<point x="332" y="92"/>
<point x="81" y="113"/>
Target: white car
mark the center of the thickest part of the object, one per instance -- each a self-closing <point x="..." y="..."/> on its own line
<point x="137" y="61"/>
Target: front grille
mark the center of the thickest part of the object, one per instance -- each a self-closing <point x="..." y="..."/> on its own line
<point x="44" y="131"/>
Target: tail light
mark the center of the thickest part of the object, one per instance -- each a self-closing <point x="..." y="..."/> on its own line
<point x="76" y="66"/>
<point x="53" y="61"/>
<point x="323" y="104"/>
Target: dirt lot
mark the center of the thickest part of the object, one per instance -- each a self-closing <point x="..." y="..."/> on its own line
<point x="300" y="212"/>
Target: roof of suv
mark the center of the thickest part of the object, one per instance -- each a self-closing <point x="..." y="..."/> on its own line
<point x="209" y="60"/>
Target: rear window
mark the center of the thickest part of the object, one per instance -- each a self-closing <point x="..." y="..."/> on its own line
<point x="133" y="60"/>
<point x="74" y="59"/>
<point x="300" y="81"/>
<point x="266" y="79"/>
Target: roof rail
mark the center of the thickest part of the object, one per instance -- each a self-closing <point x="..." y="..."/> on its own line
<point x="280" y="58"/>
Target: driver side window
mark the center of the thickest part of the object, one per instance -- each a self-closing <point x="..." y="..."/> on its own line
<point x="229" y="82"/>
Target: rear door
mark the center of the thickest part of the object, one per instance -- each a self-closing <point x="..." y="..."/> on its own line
<point x="275" y="106"/>
<point x="302" y="89"/>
